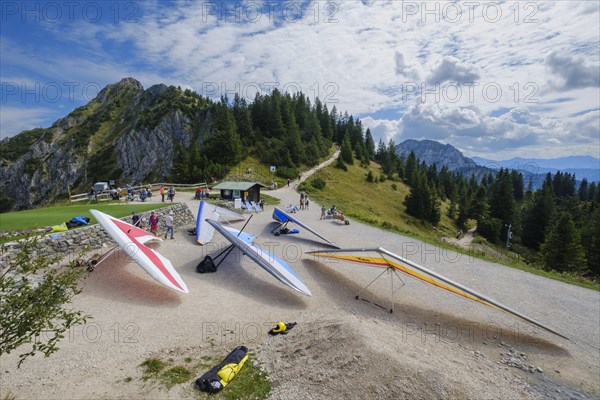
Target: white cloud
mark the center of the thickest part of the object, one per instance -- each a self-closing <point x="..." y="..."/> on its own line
<point x="360" y="57"/>
<point x="14" y="120"/>
<point x="572" y="72"/>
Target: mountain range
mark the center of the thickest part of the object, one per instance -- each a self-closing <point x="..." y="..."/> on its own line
<point x="130" y="134"/>
<point x="432" y="152"/>
<point x="587" y="167"/>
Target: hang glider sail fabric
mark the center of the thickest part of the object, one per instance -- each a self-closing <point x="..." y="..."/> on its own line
<point x="273" y="265"/>
<point x="132" y="240"/>
<point x="385" y="259"/>
<point x="283" y="217"/>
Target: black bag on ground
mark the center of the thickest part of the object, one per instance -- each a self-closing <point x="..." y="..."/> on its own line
<point x="211" y="382"/>
<point x="206" y="265"/>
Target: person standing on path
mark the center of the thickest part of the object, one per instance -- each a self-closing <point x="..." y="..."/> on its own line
<point x="323" y="211"/>
<point x="169" y="224"/>
<point x="162" y="193"/>
<point x="153" y="221"/>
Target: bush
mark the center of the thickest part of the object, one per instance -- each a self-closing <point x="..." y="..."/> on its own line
<point x="340" y="164"/>
<point x="490" y="229"/>
<point x="370" y="177"/>
<point x="287" y="172"/>
<point x="318" y="183"/>
<point x="394" y="186"/>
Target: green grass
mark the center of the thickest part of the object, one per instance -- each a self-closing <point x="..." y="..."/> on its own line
<point x="381" y="204"/>
<point x="176" y="375"/>
<point x="48" y="216"/>
<point x="376" y="204"/>
<point x="250" y="383"/>
<point x="152" y="367"/>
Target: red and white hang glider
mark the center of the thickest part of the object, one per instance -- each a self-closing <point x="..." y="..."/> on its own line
<point x="132" y="240"/>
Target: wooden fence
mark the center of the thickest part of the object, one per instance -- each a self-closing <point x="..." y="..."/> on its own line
<point x="105" y="195"/>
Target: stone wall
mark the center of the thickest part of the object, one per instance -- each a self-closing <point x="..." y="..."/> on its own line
<point x="95" y="237"/>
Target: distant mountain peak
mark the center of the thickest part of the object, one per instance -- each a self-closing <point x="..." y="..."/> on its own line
<point x="432" y="152"/>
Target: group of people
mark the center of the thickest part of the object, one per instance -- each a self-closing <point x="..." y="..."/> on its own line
<point x="138" y="221"/>
<point x="304" y="202"/>
<point x="201" y="193"/>
<point x="170" y="193"/>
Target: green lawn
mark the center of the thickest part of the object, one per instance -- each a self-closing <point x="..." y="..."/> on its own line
<point x="48" y="216"/>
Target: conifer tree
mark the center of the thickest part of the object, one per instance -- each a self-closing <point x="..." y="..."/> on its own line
<point x="562" y="251"/>
<point x="346" y="151"/>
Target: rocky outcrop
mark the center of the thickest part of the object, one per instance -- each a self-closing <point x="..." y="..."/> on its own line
<point x="126" y="134"/>
<point x="432" y="152"/>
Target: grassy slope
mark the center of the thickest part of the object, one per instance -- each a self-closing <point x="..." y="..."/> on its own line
<point x="379" y="205"/>
<point x="374" y="203"/>
<point x="48" y="216"/>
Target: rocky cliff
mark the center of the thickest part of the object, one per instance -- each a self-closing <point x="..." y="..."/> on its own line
<point x="126" y="133"/>
<point x="432" y="152"/>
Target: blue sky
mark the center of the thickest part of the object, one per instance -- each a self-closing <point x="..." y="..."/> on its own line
<point x="495" y="79"/>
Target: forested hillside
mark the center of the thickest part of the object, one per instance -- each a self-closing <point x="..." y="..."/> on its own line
<point x="557" y="226"/>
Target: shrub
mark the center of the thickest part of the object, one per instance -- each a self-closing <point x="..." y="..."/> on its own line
<point x="318" y="183"/>
<point x="287" y="172"/>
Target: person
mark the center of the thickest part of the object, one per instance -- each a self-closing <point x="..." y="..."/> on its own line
<point x="142" y="195"/>
<point x="129" y="192"/>
<point x="323" y="211"/>
<point x="169" y="224"/>
<point x="306" y="202"/>
<point x="153" y="221"/>
<point x="114" y="195"/>
<point x="92" y="194"/>
<point x="302" y="201"/>
<point x="162" y="193"/>
<point x="171" y="193"/>
<point x="136" y="219"/>
<point x="288" y="183"/>
<point x="198" y="195"/>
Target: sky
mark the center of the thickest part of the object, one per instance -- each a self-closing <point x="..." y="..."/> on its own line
<point x="495" y="79"/>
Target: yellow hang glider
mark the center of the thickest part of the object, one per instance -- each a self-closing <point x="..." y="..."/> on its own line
<point x="393" y="262"/>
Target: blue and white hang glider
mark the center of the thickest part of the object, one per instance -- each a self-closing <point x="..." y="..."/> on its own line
<point x="284" y="218"/>
<point x="273" y="265"/>
<point x="205" y="232"/>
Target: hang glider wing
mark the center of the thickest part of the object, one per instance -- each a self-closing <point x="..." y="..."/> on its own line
<point x="283" y="218"/>
<point x="204" y="232"/>
<point x="274" y="266"/>
<point x="132" y="239"/>
<point x="410" y="268"/>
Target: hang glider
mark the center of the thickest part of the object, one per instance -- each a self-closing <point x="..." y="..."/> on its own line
<point x="283" y="218"/>
<point x="205" y="232"/>
<point x="132" y="240"/>
<point x="384" y="260"/>
<point x="273" y="265"/>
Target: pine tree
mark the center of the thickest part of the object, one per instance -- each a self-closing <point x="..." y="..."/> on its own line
<point x="346" y="151"/>
<point x="562" y="251"/>
<point x="537" y="217"/>
<point x="370" y="145"/>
